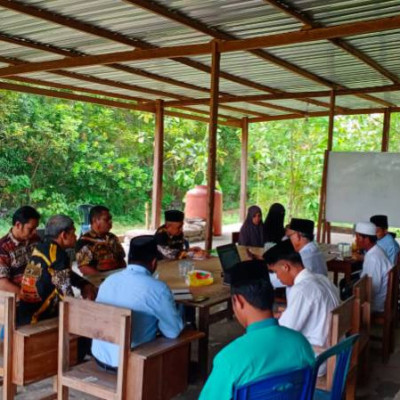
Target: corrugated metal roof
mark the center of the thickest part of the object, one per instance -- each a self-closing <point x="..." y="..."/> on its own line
<point x="304" y="67"/>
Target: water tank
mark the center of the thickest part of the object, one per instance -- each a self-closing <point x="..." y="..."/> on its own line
<point x="196" y="206"/>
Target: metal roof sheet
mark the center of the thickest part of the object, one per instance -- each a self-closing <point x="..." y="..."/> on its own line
<point x="313" y="66"/>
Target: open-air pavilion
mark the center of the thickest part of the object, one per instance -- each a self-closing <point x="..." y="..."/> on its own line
<point x="223" y="62"/>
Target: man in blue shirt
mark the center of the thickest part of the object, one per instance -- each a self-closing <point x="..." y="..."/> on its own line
<point x="385" y="240"/>
<point x="151" y="301"/>
<point x="266" y="348"/>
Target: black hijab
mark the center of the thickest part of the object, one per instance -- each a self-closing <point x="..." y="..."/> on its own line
<point x="274" y="229"/>
<point x="250" y="234"/>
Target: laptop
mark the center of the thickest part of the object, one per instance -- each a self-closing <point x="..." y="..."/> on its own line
<point x="228" y="257"/>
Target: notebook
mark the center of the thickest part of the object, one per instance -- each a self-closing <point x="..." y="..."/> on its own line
<point x="228" y="257"/>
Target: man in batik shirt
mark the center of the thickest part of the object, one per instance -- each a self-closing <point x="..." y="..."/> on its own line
<point x="169" y="237"/>
<point x="99" y="250"/>
<point x="48" y="276"/>
<point x="16" y="248"/>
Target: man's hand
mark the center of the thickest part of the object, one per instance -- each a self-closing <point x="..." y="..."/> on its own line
<point x="253" y="256"/>
<point x="89" y="292"/>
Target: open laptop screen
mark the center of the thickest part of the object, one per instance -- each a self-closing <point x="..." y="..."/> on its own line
<point x="228" y="257"/>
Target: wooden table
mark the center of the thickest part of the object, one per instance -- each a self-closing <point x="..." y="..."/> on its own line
<point x="338" y="265"/>
<point x="217" y="294"/>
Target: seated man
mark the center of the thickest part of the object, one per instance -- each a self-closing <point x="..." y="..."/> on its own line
<point x="376" y="264"/>
<point x="301" y="234"/>
<point x="48" y="276"/>
<point x="385" y="240"/>
<point x="266" y="348"/>
<point x="169" y="237"/>
<point x="99" y="250"/>
<point x="150" y="300"/>
<point x="312" y="296"/>
<point x="16" y="248"/>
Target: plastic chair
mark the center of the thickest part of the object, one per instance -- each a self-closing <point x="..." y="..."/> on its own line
<point x="342" y="351"/>
<point x="291" y="385"/>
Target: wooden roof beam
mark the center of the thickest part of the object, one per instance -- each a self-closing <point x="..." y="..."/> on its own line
<point x="39" y="82"/>
<point x="88" y="28"/>
<point x="358" y="111"/>
<point x="75" y="97"/>
<point x="282" y="39"/>
<point x="287" y="96"/>
<point x="104" y="102"/>
<point x="105" y="33"/>
<point x="240" y="80"/>
<point x="353" y="29"/>
<point x="74" y="53"/>
<point x="309" y="22"/>
<point x="177" y="16"/>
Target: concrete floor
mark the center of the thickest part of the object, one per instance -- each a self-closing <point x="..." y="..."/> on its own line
<point x="382" y="384"/>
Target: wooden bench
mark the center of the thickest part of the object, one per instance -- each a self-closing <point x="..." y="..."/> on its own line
<point x="159" y="369"/>
<point x="30" y="351"/>
<point x="155" y="370"/>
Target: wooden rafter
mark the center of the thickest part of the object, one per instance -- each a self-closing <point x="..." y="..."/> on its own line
<point x="178" y="16"/>
<point x="355" y="111"/>
<point x="308" y="22"/>
<point x="137" y="43"/>
<point x="106" y="102"/>
<point x="108" y="82"/>
<point x="16" y="61"/>
<point x="287" y="96"/>
<point x="281" y="39"/>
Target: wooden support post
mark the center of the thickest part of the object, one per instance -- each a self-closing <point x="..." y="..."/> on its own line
<point x="243" y="168"/>
<point x="326" y="234"/>
<point x="386" y="129"/>
<point x="212" y="142"/>
<point x="331" y="120"/>
<point x="158" y="165"/>
<point x="323" y="228"/>
<point x="322" y="198"/>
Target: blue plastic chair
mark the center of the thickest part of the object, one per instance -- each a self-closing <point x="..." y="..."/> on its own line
<point x="342" y="351"/>
<point x="291" y="385"/>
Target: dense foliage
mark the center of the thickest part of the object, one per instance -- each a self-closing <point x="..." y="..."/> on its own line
<point x="56" y="155"/>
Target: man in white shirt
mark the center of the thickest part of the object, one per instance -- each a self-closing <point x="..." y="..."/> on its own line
<point x="385" y="240"/>
<point x="301" y="234"/>
<point x="376" y="264"/>
<point x="312" y="296"/>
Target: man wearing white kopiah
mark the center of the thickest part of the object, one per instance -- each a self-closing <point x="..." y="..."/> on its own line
<point x="376" y="264"/>
<point x="312" y="296"/>
<point x="301" y="234"/>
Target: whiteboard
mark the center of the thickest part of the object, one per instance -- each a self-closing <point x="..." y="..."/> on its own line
<point x="360" y="185"/>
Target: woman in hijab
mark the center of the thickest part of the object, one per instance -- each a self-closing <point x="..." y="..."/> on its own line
<point x="251" y="232"/>
<point x="274" y="229"/>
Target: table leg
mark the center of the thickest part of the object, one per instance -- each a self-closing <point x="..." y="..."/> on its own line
<point x="335" y="278"/>
<point x="204" y="324"/>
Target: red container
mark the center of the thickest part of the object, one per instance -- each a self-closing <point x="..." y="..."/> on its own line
<point x="196" y="206"/>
